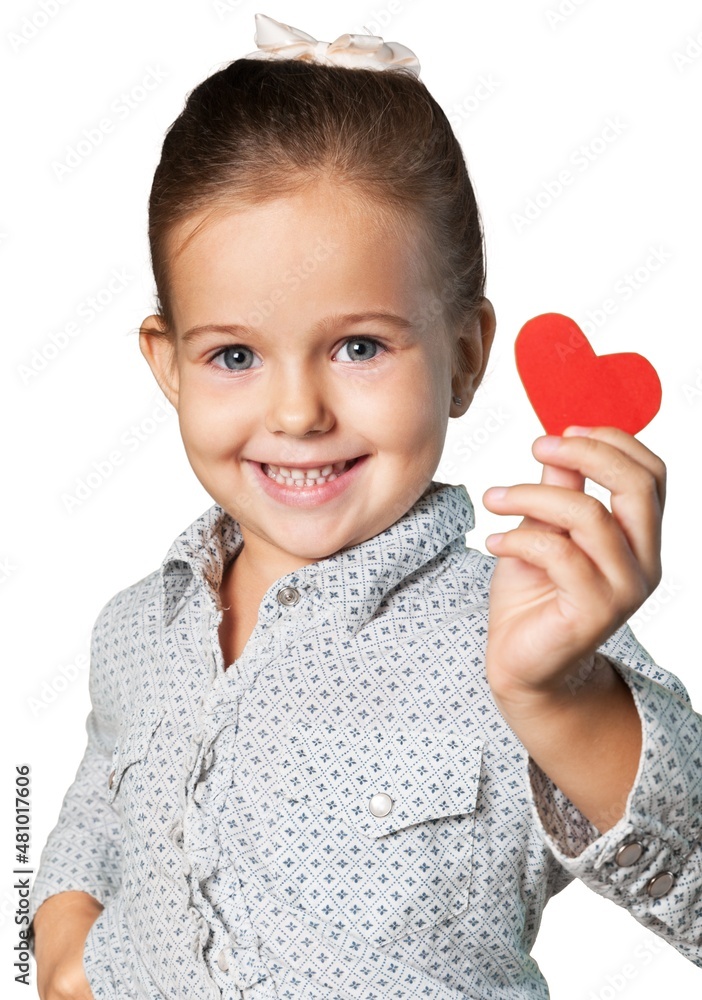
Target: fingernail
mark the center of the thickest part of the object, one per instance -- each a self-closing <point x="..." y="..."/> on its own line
<point x="577" y="431"/>
<point x="549" y="443"/>
<point x="496" y="492"/>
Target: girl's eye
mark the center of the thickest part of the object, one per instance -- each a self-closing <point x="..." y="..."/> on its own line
<point x="235" y="359"/>
<point x="359" y="349"/>
<point x="239" y="358"/>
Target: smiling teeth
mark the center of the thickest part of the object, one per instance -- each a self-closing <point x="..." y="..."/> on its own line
<point x="305" y="477"/>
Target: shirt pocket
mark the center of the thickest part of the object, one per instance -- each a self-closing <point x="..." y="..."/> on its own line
<point x="129" y="791"/>
<point x="388" y="816"/>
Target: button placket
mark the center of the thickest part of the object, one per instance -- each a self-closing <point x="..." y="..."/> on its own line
<point x="201" y="936"/>
<point x="223" y="959"/>
<point x="176" y="832"/>
<point x="210" y="618"/>
<point x="244" y="936"/>
<point x="196" y="742"/>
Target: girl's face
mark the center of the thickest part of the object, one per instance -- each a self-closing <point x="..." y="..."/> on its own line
<point x="332" y="355"/>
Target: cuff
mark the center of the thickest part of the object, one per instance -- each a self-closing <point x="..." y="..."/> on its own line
<point x="650" y="861"/>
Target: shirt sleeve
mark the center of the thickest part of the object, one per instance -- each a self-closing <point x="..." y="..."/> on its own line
<point x="83" y="850"/>
<point x="650" y="861"/>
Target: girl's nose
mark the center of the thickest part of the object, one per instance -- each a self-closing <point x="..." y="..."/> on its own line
<point x="298" y="404"/>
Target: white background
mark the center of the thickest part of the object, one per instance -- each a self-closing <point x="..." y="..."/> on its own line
<point x="554" y="81"/>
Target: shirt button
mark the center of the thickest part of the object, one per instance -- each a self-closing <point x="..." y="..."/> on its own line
<point x="111" y="779"/>
<point x="223" y="959"/>
<point x="660" y="884"/>
<point x="629" y="854"/>
<point x="380" y="805"/>
<point x="288" y="596"/>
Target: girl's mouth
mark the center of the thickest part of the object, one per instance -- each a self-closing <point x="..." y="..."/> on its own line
<point x="307" y="488"/>
<point x="300" y="478"/>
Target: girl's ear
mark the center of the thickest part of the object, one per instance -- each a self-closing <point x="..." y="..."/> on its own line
<point x="157" y="346"/>
<point x="473" y="349"/>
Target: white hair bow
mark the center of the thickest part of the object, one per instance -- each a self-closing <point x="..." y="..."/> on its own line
<point x="276" y="40"/>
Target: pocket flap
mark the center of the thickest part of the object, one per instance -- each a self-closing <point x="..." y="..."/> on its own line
<point x="426" y="774"/>
<point x="133" y="744"/>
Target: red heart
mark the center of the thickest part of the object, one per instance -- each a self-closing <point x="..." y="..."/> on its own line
<point x="567" y="383"/>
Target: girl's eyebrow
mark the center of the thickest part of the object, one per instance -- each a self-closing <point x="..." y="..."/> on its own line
<point x="236" y="329"/>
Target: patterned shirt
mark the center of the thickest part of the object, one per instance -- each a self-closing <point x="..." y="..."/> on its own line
<point x="343" y="814"/>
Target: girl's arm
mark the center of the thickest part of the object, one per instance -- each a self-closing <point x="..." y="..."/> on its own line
<point x="61" y="926"/>
<point x="615" y="748"/>
<point x="646" y="853"/>
<point x="80" y="866"/>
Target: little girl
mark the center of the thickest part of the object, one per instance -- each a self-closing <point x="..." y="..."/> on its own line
<point x="333" y="753"/>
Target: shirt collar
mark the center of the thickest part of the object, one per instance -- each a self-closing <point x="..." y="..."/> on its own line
<point x="355" y="579"/>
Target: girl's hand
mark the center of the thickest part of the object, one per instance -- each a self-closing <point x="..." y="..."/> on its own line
<point x="572" y="572"/>
<point x="61" y="926"/>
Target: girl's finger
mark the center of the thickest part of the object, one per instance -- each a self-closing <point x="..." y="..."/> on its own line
<point x="588" y="523"/>
<point x="555" y="475"/>
<point x="636" y="489"/>
<point x="577" y="579"/>
<point x="633" y="449"/>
